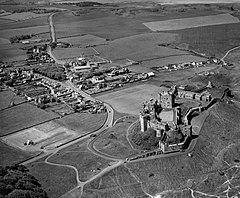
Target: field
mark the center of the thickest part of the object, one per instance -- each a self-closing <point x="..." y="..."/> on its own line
<point x="211" y="40"/>
<point x="177" y="24"/>
<point x="55" y="180"/>
<point x="23" y="16"/>
<point x="114" y="141"/>
<point x="10" y="53"/>
<point x="140" y="47"/>
<point x="22" y="116"/>
<point x="6" y="97"/>
<point x="80" y="157"/>
<point x="129" y="100"/>
<point x="119" y="182"/>
<point x="10" y="155"/>
<point x="73" y="52"/>
<point x="83" y="123"/>
<point x="109" y="27"/>
<point x="44" y="135"/>
<point x="8" y="33"/>
<point x="83" y="40"/>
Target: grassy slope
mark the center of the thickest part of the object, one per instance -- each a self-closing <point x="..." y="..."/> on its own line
<point x="114" y="141"/>
<point x="10" y="155"/>
<point x="80" y="157"/>
<point x="219" y="131"/>
<point x="55" y="180"/>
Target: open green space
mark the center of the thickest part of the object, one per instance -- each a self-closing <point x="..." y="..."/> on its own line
<point x="114" y="141"/>
<point x="55" y="180"/>
<point x="129" y="100"/>
<point x="80" y="157"/>
<point x="10" y="156"/>
<point x="8" y="97"/>
<point x="116" y="183"/>
<point x="9" y="53"/>
<point x="21" y="117"/>
<point x="83" y="122"/>
<point x="211" y="40"/>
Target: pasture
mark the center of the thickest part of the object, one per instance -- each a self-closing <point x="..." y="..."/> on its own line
<point x="22" y="116"/>
<point x="109" y="27"/>
<point x="118" y="182"/>
<point x="8" y="33"/>
<point x="10" y="53"/>
<point x="23" y="16"/>
<point x="212" y="40"/>
<point x="6" y="97"/>
<point x="114" y="141"/>
<point x="177" y="24"/>
<point x="55" y="180"/>
<point x="129" y="100"/>
<point x="10" y="155"/>
<point x="140" y="47"/>
<point x="83" y="123"/>
<point x="80" y="157"/>
<point x="83" y="40"/>
<point x="47" y="134"/>
<point x="73" y="52"/>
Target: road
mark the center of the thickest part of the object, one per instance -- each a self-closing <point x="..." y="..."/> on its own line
<point x="51" y="27"/>
<point x="229" y="51"/>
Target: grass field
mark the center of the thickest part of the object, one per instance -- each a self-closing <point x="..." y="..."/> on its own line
<point x="116" y="183"/>
<point x="83" y="123"/>
<point x="139" y="47"/>
<point x="23" y="16"/>
<point x="211" y="40"/>
<point x="55" y="180"/>
<point x="10" y="53"/>
<point x="129" y="100"/>
<point x="177" y="24"/>
<point x="80" y="157"/>
<point x="73" y="52"/>
<point x="8" y="33"/>
<point x="110" y="27"/>
<point x="10" y="155"/>
<point x="114" y="141"/>
<point x="83" y="40"/>
<point x="22" y="116"/>
<point x="6" y="97"/>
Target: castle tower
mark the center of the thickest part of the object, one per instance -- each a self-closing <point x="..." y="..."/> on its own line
<point x="166" y="100"/>
<point x="143" y="122"/>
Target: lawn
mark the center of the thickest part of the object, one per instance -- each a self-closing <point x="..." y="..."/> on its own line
<point x="21" y="117"/>
<point x="79" y="156"/>
<point x="55" y="180"/>
<point x="83" y="123"/>
<point x="10" y="155"/>
<point x="114" y="141"/>
<point x="129" y="100"/>
<point x="116" y="183"/>
<point x="205" y="170"/>
<point x="177" y="24"/>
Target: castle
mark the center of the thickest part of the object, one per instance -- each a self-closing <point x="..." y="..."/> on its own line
<point x="164" y="116"/>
